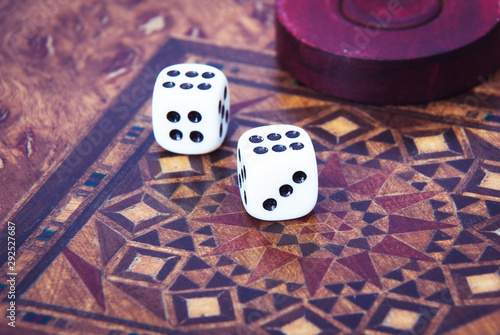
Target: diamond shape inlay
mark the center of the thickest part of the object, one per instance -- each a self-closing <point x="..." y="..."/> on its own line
<point x="203" y="307"/>
<point x="427" y="144"/>
<point x="340" y="126"/>
<point x="300" y="326"/>
<point x="139" y="212"/>
<point x="401" y="319"/>
<point x="488" y="282"/>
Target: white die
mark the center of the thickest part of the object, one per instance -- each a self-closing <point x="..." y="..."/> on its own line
<point x="190" y="108"/>
<point x="277" y="172"/>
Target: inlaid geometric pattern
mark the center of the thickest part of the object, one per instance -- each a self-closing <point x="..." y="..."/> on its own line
<point x="404" y="238"/>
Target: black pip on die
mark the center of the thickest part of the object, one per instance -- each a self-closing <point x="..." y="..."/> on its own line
<point x="277" y="172"/>
<point x="190" y="108"/>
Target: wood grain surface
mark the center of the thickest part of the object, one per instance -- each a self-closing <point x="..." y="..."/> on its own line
<point x="115" y="235"/>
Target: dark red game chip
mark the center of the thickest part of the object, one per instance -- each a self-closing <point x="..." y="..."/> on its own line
<point x="389" y="51"/>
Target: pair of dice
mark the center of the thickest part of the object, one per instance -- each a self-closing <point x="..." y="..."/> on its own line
<point x="277" y="171"/>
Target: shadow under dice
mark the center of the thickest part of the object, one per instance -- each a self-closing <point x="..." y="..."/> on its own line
<point x="277" y="172"/>
<point x="190" y="108"/>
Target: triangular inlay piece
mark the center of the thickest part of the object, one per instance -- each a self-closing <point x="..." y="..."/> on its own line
<point x="436" y="204"/>
<point x="325" y="304"/>
<point x="352" y="161"/>
<point x="184" y="243"/>
<point x="308" y="248"/>
<point x="395" y="274"/>
<point x="439" y="216"/>
<point x="406" y="176"/>
<point x="313" y="278"/>
<point x="211" y="209"/>
<point x="340" y="196"/>
<point x="341" y="214"/>
<point x="345" y="227"/>
<point x="456" y="257"/>
<point x="461" y="165"/>
<point x="329" y="235"/>
<point x="209" y="243"/>
<point x="371" y="231"/>
<point x="219" y="280"/>
<point x="466" y="237"/>
<point x="371" y="185"/>
<point x="199" y="187"/>
<point x="391" y="246"/>
<point x="272" y="283"/>
<point x="412" y="265"/>
<point x="187" y="204"/>
<point x="350" y="320"/>
<point x="335" y="249"/>
<point x="460" y="315"/>
<point x="195" y="263"/>
<point x="409" y="289"/>
<point x="183" y="283"/>
<point x="306" y="230"/>
<point x="206" y="230"/>
<point x="482" y="148"/>
<point x="462" y="201"/>
<point x="359" y="148"/>
<point x="373" y="164"/>
<point x="441" y="236"/>
<point x="220" y="173"/>
<point x="493" y="207"/>
<point x="149" y="298"/>
<point x="357" y="285"/>
<point x="236" y="107"/>
<point x="271" y="260"/>
<point x="427" y="170"/>
<point x="246" y="294"/>
<point x="362" y="265"/>
<point x="151" y="238"/>
<point x="287" y="239"/>
<point x="178" y="225"/>
<point x="448" y="184"/>
<point x="469" y="220"/>
<point x="365" y="301"/>
<point x="434" y="247"/>
<point x="275" y="228"/>
<point x="282" y="301"/>
<point x="490" y="254"/>
<point x="392" y="154"/>
<point x="218" y="155"/>
<point x="109" y="241"/>
<point x="224" y="261"/>
<point x="249" y="240"/>
<point x="239" y="270"/>
<point x="335" y="288"/>
<point x="401" y="224"/>
<point x="332" y="175"/>
<point x="435" y="275"/>
<point x="359" y="243"/>
<point x="443" y="296"/>
<point x="89" y="274"/>
<point x="234" y="219"/>
<point x="372" y="217"/>
<point x="383" y="137"/>
<point x="395" y="203"/>
<point x="361" y="206"/>
<point x="292" y="287"/>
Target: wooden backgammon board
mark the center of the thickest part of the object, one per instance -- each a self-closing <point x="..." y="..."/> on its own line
<point x="114" y="235"/>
